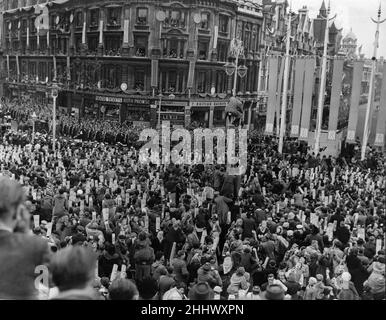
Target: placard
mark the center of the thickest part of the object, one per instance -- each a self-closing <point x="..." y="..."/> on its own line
<point x="36" y="221"/>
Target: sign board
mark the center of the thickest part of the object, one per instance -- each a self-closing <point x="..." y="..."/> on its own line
<point x="108" y="99"/>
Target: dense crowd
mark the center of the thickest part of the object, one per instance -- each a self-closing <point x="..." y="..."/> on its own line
<point x="108" y="227"/>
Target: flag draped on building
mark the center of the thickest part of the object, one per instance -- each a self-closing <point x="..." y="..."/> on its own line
<point x="279" y="94"/>
<point x="381" y="121"/>
<point x="336" y="90"/>
<point x="298" y="95"/>
<point x="272" y="100"/>
<point x="309" y="79"/>
<point x="354" y="105"/>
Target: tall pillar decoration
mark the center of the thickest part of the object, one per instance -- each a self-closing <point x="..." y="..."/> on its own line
<point x="84" y="47"/>
<point x="27" y="41"/>
<point x="125" y="46"/>
<point x="100" y="43"/>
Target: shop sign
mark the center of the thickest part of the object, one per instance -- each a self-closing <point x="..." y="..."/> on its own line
<point x="137" y="101"/>
<point x="208" y="103"/>
<point x="108" y="99"/>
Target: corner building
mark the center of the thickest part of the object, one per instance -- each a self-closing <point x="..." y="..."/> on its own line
<point x="121" y="59"/>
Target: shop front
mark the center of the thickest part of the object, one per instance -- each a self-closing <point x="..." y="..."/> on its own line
<point x="109" y="107"/>
<point x="208" y="113"/>
<point x="171" y="110"/>
<point x="136" y="111"/>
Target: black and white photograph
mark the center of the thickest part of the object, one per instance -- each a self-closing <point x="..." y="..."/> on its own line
<point x="220" y="151"/>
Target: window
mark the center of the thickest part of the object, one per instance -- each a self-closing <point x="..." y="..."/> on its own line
<point x="223" y="23"/>
<point x="79" y="19"/>
<point x="222" y="51"/>
<point x="203" y="50"/>
<point x="78" y="43"/>
<point x="33" y="44"/>
<point x="114" y="17"/>
<point x="201" y="82"/>
<point x="92" y="44"/>
<point x="24" y="26"/>
<point x="140" y="43"/>
<point x="204" y="20"/>
<point x="113" y="45"/>
<point x="174" y="48"/>
<point x="112" y="76"/>
<point x="32" y="25"/>
<point x="142" y="16"/>
<point x="221" y="81"/>
<point x="94" y="18"/>
<point x="42" y="71"/>
<point x="139" y="80"/>
<point x="175" y="19"/>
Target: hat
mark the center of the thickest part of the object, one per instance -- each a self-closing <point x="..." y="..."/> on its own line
<point x="312" y="281"/>
<point x="299" y="226"/>
<point x="172" y="294"/>
<point x="378" y="267"/>
<point x="346" y="276"/>
<point x="217" y="289"/>
<point x="291" y="216"/>
<point x="79" y="192"/>
<point x="200" y="291"/>
<point x="274" y="292"/>
<point x="290" y="233"/>
<point x="285" y="225"/>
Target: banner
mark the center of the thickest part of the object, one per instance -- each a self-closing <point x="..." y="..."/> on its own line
<point x="298" y="95"/>
<point x="279" y="95"/>
<point x="381" y="121"/>
<point x="354" y="105"/>
<point x="192" y="66"/>
<point x="309" y="80"/>
<point x="272" y="86"/>
<point x="336" y="90"/>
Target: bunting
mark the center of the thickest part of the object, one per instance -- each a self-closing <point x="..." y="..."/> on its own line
<point x="381" y="121"/>
<point x="354" y="105"/>
<point x="272" y="86"/>
<point x="309" y="80"/>
<point x="336" y="90"/>
<point x="298" y="95"/>
<point x="279" y="95"/>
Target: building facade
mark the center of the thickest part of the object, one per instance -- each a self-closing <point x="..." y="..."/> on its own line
<point x="121" y="59"/>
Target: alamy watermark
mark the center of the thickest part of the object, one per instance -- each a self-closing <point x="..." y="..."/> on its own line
<point x="157" y="149"/>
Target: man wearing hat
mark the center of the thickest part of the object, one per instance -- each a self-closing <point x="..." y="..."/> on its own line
<point x="201" y="291"/>
<point x="20" y="253"/>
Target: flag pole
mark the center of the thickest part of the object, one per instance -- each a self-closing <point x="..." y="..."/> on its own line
<point x="285" y="85"/>
<point x="322" y="88"/>
<point x="366" y="131"/>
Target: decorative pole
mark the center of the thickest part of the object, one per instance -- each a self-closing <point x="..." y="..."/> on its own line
<point x="322" y="88"/>
<point x="285" y="85"/>
<point x="366" y="131"/>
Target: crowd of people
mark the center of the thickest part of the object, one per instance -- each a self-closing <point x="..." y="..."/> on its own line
<point x="294" y="227"/>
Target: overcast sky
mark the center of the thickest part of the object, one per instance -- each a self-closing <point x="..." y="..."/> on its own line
<point x="354" y="14"/>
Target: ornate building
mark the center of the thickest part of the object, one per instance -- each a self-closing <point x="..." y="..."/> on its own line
<point x="349" y="45"/>
<point x="121" y="59"/>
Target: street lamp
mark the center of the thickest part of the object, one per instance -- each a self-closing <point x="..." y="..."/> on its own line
<point x="33" y="117"/>
<point x="54" y="96"/>
<point x="236" y="50"/>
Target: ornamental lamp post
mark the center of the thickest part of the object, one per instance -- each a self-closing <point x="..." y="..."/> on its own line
<point x="237" y="51"/>
<point x="33" y="117"/>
